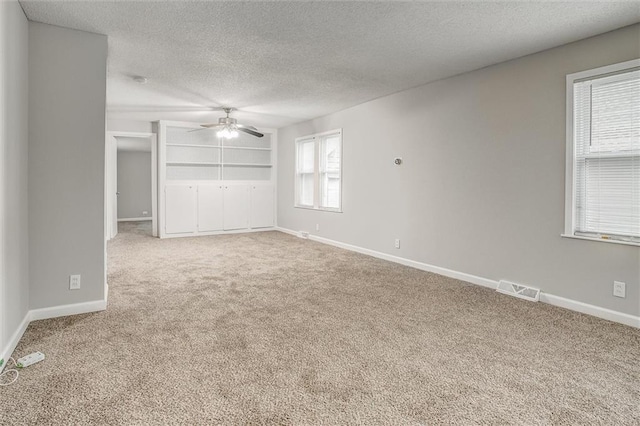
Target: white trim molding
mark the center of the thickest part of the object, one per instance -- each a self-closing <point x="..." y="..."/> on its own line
<point x="135" y="219"/>
<point x="14" y="340"/>
<point x="570" y="207"/>
<point x="47" y="313"/>
<point x="66" y="310"/>
<point x="592" y="310"/>
<point x="573" y="305"/>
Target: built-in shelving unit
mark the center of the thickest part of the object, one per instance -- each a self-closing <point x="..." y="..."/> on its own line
<point x="209" y="184"/>
<point x="195" y="153"/>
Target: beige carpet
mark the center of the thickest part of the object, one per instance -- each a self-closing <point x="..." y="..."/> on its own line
<point x="266" y="328"/>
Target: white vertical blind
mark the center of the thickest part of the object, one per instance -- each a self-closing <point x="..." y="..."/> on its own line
<point x="607" y="155"/>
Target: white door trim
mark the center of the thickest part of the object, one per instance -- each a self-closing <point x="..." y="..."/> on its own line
<point x="153" y="138"/>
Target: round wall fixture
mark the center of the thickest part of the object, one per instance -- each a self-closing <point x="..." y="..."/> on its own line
<point x="397" y="161"/>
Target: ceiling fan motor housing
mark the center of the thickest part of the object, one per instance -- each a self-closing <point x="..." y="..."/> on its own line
<point x="227" y="121"/>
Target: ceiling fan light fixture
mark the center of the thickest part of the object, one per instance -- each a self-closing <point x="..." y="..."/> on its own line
<point x="227" y="132"/>
<point x="228" y="128"/>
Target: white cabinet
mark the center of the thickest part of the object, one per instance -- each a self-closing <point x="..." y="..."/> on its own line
<point x="236" y="207"/>
<point x="206" y="208"/>
<point x="210" y="210"/>
<point x="262" y="206"/>
<point x="180" y="209"/>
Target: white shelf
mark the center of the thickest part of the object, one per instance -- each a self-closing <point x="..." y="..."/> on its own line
<point x="245" y="165"/>
<point x="247" y="147"/>
<point x="191" y="163"/>
<point x="194" y="145"/>
<point x="201" y="163"/>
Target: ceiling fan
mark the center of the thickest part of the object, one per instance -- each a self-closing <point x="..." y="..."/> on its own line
<point x="228" y="127"/>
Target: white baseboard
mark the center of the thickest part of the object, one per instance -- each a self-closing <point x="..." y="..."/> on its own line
<point x="46" y="313"/>
<point x="573" y="305"/>
<point x="135" y="219"/>
<point x="593" y="310"/>
<point x="13" y="341"/>
<point x="210" y="233"/>
<point x="66" y="310"/>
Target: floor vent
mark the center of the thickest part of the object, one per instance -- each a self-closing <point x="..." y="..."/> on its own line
<point x="519" y="290"/>
<point x="303" y="234"/>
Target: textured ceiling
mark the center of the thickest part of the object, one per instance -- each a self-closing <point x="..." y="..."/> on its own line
<point x="283" y="62"/>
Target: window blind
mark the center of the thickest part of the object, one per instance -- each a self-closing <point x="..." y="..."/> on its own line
<point x="607" y="156"/>
<point x="330" y="157"/>
<point x="305" y="171"/>
<point x="319" y="171"/>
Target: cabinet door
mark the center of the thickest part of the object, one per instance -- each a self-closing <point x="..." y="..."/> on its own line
<point x="210" y="202"/>
<point x="180" y="209"/>
<point x="236" y="207"/>
<point x="262" y="203"/>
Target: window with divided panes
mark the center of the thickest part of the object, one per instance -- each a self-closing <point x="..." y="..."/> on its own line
<point x="319" y="171"/>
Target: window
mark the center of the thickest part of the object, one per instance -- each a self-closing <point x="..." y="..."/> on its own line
<point x="603" y="153"/>
<point x="319" y="171"/>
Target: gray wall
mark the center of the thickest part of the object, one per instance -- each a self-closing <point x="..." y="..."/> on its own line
<point x="134" y="184"/>
<point x="481" y="190"/>
<point x="14" y="279"/>
<point x="67" y="92"/>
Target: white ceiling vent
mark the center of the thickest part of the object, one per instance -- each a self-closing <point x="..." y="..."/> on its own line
<point x="518" y="290"/>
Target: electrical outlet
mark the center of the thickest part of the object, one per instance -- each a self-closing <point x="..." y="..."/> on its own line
<point x="619" y="289"/>
<point x="397" y="243"/>
<point x="74" y="282"/>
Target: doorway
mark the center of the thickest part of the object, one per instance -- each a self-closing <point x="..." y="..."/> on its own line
<point x="131" y="181"/>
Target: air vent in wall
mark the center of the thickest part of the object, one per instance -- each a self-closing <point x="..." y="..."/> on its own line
<point x="518" y="290"/>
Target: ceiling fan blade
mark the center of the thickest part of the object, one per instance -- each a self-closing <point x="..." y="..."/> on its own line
<point x="244" y="126"/>
<point x="205" y="127"/>
<point x="249" y="131"/>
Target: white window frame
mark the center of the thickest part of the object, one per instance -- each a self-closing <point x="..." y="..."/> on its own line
<point x="317" y="138"/>
<point x="570" y="172"/>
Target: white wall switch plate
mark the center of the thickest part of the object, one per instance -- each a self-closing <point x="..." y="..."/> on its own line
<point x="397" y="243"/>
<point x="74" y="282"/>
<point x="30" y="359"/>
<point x="317" y="226"/>
<point x="619" y="289"/>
